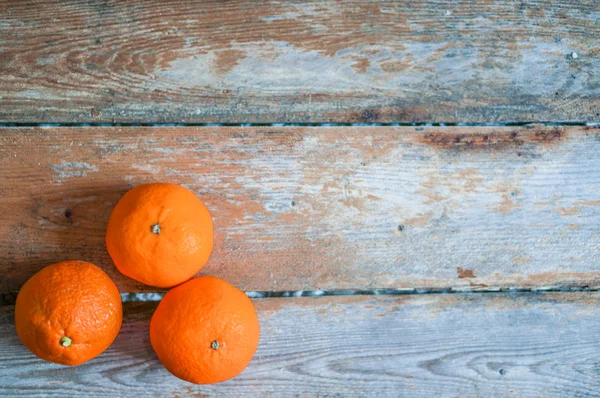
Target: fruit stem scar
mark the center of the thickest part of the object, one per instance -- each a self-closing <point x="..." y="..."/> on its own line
<point x="155" y="229"/>
<point x="65" y="341"/>
<point x="215" y="345"/>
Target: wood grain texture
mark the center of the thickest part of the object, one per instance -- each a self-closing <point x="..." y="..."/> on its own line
<point x="477" y="345"/>
<point x="299" y="61"/>
<point x="321" y="208"/>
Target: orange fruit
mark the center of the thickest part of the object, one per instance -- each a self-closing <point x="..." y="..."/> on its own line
<point x="205" y="331"/>
<point x="68" y="313"/>
<point x="160" y="234"/>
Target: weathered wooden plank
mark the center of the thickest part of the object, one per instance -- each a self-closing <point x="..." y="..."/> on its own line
<point x="299" y="61"/>
<point x="477" y="345"/>
<point x="321" y="208"/>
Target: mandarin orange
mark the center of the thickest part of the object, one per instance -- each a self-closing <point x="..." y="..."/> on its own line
<point x="160" y="234"/>
<point x="205" y="331"/>
<point x="68" y="313"/>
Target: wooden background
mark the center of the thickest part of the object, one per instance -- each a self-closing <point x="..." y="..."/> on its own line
<point x="244" y="61"/>
<point x="453" y="169"/>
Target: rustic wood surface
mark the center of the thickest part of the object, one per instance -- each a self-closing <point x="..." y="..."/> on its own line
<point x="321" y="208"/>
<point x="299" y="61"/>
<point x="340" y="208"/>
<point x="475" y="345"/>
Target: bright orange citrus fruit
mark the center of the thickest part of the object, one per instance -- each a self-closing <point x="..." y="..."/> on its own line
<point x="205" y="331"/>
<point x="160" y="234"/>
<point x="68" y="313"/>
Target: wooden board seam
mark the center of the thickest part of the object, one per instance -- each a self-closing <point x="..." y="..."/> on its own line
<point x="317" y="124"/>
<point x="10" y="298"/>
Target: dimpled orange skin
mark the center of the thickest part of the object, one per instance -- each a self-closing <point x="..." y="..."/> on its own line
<point x="160" y="234"/>
<point x="70" y="303"/>
<point x="205" y="331"/>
